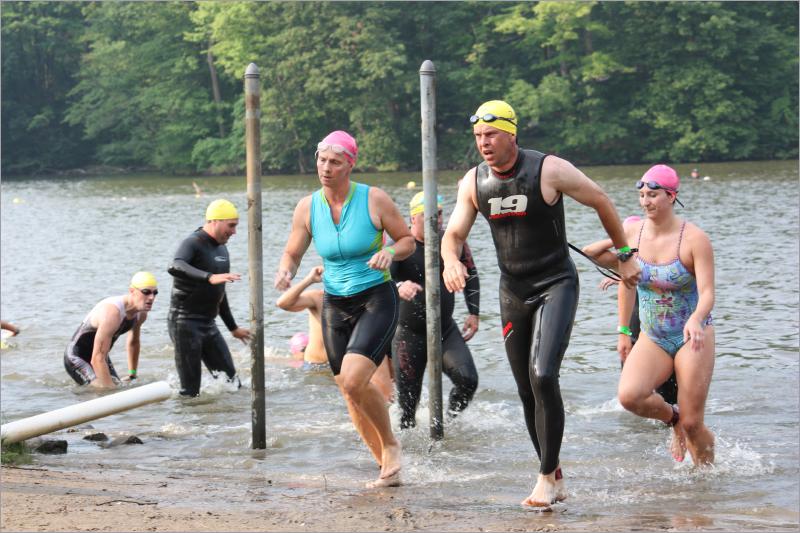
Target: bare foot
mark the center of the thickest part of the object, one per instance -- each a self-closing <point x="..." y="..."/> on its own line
<point x="391" y="460"/>
<point x="678" y="445"/>
<point x="544" y="493"/>
<point x="388" y="481"/>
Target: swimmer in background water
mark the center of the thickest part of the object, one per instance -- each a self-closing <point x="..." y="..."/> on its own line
<point x="300" y="298"/>
<point x="8" y="326"/>
<point x="11" y="328"/>
<point x="86" y="358"/>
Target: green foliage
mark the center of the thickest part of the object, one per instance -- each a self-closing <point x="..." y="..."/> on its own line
<point x="17" y="453"/>
<point x="159" y="84"/>
<point x="40" y="53"/>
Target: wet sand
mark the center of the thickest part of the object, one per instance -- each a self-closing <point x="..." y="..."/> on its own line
<point x="44" y="499"/>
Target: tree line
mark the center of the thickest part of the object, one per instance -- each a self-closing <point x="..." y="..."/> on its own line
<point x="158" y="85"/>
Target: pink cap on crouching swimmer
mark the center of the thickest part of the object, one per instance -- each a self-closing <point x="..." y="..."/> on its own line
<point x="298" y="342"/>
<point x="631" y="219"/>
<point x="345" y="140"/>
<point x="664" y="176"/>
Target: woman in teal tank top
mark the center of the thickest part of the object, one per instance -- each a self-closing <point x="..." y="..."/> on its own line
<point x="346" y="221"/>
<point x="676" y="295"/>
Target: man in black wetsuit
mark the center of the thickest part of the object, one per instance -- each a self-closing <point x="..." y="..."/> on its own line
<point x="520" y="193"/>
<point x="200" y="270"/>
<point x="410" y="345"/>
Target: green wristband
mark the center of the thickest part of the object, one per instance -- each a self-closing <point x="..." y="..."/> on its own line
<point x="132" y="372"/>
<point x="625" y="330"/>
<point x="390" y="250"/>
<point x="624" y="249"/>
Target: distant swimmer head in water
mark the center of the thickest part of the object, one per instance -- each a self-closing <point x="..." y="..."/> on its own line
<point x="341" y="143"/>
<point x="661" y="177"/>
<point x="298" y="343"/>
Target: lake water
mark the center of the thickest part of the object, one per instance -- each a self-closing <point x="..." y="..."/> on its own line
<point x="66" y="244"/>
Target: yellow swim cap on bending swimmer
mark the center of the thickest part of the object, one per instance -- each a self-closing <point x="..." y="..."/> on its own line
<point x="221" y="210"/>
<point x="417" y="203"/>
<point x="143" y="280"/>
<point x="500" y="110"/>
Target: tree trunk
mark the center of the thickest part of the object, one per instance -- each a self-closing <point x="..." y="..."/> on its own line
<point x="215" y="89"/>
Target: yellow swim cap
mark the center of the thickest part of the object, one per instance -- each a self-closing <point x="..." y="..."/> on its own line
<point x="497" y="114"/>
<point x="221" y="210"/>
<point x="143" y="280"/>
<point x="417" y="203"/>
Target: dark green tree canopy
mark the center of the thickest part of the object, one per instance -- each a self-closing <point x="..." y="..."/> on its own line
<point x="159" y="84"/>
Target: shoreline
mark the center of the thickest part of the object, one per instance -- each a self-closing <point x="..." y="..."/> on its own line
<point x="36" y="498"/>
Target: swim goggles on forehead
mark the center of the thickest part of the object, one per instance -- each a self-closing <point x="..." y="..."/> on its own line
<point x="656" y="186"/>
<point x="336" y="148"/>
<point x="489" y="117"/>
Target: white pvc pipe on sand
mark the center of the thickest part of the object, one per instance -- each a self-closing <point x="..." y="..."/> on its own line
<point x="83" y="412"/>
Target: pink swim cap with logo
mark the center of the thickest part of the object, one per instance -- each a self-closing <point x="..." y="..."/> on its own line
<point x="298" y="342"/>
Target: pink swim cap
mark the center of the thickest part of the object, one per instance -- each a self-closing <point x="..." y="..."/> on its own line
<point x="664" y="176"/>
<point x="298" y="342"/>
<point x="340" y="142"/>
<point x="631" y="219"/>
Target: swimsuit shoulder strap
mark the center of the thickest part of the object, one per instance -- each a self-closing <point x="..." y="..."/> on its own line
<point x="641" y="229"/>
<point x="680" y="238"/>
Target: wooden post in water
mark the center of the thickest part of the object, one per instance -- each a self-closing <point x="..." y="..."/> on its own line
<point x="427" y="88"/>
<point x="252" y="95"/>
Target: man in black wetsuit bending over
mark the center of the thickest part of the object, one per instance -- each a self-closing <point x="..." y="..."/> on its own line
<point x="520" y="193"/>
<point x="200" y="270"/>
<point x="410" y="344"/>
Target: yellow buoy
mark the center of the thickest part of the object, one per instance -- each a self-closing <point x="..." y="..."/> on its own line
<point x="410" y="185"/>
<point x="17" y="200"/>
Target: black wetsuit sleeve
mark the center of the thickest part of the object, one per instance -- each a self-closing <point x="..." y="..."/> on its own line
<point x="472" y="290"/>
<point x="226" y="315"/>
<point x="181" y="265"/>
<point x="396" y="270"/>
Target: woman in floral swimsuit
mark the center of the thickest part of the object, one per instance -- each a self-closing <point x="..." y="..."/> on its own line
<point x="676" y="295"/>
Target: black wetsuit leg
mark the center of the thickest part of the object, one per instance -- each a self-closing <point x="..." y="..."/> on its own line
<point x="536" y="327"/>
<point x="185" y="335"/>
<point x="457" y="364"/>
<point x="216" y="355"/>
<point x="196" y="341"/>
<point x="410" y="358"/>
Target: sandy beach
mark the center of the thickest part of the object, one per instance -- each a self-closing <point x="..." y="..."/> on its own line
<point x="41" y="499"/>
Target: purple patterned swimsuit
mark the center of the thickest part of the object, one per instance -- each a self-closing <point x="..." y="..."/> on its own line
<point x="667" y="298"/>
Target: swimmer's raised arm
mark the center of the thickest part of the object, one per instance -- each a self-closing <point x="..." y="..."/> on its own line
<point x="297" y="298"/>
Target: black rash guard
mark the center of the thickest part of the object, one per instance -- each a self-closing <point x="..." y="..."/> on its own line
<point x="198" y="257"/>
<point x="410" y="346"/>
<point x="538" y="292"/>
